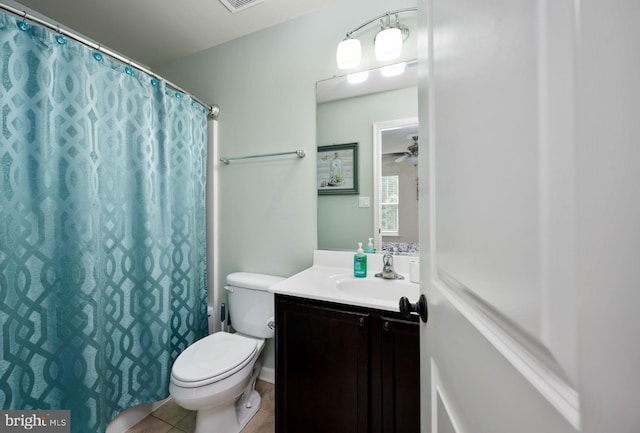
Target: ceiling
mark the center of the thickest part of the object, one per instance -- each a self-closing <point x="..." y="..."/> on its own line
<point x="398" y="139"/>
<point x="151" y="32"/>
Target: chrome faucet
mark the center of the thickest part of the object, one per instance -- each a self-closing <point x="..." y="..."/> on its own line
<point x="387" y="269"/>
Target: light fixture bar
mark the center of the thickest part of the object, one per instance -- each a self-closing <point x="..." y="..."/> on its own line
<point x="388" y="41"/>
<point x="386" y="14"/>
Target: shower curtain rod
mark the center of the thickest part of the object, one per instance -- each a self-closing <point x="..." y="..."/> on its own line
<point x="213" y="110"/>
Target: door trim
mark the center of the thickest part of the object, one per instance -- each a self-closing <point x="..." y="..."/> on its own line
<point x="523" y="352"/>
<point x="439" y="394"/>
<point x="378" y="129"/>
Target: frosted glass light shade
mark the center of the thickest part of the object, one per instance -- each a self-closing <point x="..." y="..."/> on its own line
<point x="348" y="54"/>
<point x="388" y="44"/>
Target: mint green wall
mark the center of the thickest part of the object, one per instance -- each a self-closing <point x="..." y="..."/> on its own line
<point x="265" y="86"/>
<point x="341" y="222"/>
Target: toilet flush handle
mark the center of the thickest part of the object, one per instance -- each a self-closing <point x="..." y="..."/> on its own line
<point x="271" y="324"/>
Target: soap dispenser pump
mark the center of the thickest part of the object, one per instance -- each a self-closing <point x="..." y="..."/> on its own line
<point x="369" y="249"/>
<point x="360" y="263"/>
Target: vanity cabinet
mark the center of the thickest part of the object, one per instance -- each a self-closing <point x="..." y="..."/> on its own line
<point x="345" y="369"/>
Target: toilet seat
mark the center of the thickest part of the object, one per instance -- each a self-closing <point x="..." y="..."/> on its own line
<point x="213" y="358"/>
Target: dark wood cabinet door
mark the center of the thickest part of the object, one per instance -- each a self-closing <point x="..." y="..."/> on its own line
<point x="400" y="375"/>
<point x="322" y="369"/>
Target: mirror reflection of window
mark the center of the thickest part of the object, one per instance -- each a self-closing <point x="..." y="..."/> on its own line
<point x="390" y="202"/>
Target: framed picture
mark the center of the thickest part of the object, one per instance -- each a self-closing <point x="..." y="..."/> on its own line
<point x="338" y="169"/>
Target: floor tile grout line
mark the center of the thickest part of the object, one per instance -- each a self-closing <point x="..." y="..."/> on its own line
<point x="175" y="425"/>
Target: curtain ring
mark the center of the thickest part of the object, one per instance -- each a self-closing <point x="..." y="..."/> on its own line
<point x="24" y="25"/>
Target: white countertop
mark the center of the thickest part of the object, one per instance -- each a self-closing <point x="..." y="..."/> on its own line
<point x="330" y="267"/>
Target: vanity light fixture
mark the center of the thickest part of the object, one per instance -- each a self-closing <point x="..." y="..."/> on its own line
<point x="393" y="70"/>
<point x="388" y="41"/>
<point x="358" y="77"/>
<point x="349" y="53"/>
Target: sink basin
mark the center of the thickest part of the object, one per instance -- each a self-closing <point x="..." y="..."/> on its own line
<point x="379" y="288"/>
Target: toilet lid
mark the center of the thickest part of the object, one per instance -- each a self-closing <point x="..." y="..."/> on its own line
<point x="210" y="358"/>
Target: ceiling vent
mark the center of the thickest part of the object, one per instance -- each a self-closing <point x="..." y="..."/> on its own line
<point x="238" y="5"/>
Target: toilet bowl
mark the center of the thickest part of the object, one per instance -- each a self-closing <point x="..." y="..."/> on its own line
<point x="211" y="374"/>
<point x="216" y="375"/>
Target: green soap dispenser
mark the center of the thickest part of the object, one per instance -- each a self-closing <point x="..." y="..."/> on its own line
<point x="360" y="263"/>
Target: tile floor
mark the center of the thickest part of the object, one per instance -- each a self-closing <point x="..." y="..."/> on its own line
<point x="171" y="418"/>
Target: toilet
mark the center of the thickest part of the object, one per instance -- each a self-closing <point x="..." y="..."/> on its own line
<point x="216" y="375"/>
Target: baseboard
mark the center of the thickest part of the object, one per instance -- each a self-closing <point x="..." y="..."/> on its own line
<point x="132" y="416"/>
<point x="268" y="375"/>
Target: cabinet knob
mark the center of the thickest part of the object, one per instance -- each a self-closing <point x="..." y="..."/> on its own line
<point x="386" y="325"/>
<point x="361" y="321"/>
<point x="420" y="307"/>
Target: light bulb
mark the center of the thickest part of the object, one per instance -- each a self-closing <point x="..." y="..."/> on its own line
<point x="348" y="53"/>
<point x="388" y="45"/>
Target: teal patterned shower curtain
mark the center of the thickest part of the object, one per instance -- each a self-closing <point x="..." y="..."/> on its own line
<point x="102" y="228"/>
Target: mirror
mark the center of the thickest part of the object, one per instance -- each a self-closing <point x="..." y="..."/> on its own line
<point x="378" y="115"/>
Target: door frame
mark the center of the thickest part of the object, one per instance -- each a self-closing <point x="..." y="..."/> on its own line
<point x="378" y="129"/>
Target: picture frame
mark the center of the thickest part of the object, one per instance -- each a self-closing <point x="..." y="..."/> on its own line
<point x="337" y="169"/>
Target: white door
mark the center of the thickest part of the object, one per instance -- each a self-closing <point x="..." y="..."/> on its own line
<point x="531" y="215"/>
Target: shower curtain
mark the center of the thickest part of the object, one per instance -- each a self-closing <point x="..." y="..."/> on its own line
<point x="102" y="228"/>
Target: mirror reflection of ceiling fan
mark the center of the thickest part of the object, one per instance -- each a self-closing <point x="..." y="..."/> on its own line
<point x="411" y="154"/>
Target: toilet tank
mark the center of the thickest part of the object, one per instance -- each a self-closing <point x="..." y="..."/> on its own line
<point x="251" y="306"/>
